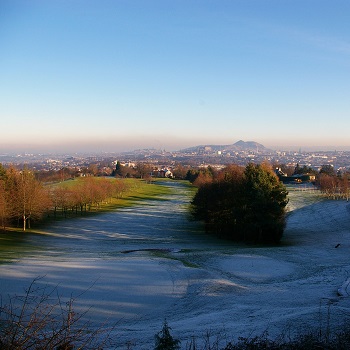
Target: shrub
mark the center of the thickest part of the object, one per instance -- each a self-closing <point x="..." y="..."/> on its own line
<point x="40" y="321"/>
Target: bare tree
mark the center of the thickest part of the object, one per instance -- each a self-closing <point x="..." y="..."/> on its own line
<point x="41" y="320"/>
<point x="26" y="197"/>
<point x="328" y="185"/>
<point x="143" y="170"/>
<point x="3" y="205"/>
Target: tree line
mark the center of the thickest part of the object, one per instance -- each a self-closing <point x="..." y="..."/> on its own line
<point x="332" y="184"/>
<point x="334" y="187"/>
<point x="241" y="203"/>
<point x="23" y="198"/>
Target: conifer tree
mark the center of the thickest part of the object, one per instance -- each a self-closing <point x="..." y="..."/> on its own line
<point x="164" y="340"/>
<point x="244" y="205"/>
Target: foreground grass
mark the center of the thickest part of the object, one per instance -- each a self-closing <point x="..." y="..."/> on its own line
<point x="40" y="321"/>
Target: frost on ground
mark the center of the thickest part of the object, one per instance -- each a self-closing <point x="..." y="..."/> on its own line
<point x="136" y="267"/>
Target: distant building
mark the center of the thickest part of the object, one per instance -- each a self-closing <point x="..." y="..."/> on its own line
<point x="163" y="173"/>
<point x="297" y="178"/>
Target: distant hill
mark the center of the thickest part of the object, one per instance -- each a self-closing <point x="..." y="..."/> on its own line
<point x="239" y="146"/>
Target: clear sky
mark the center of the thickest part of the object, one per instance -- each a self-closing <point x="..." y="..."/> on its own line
<point x="111" y="75"/>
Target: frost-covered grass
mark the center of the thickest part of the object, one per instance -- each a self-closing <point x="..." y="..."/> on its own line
<point x="302" y="195"/>
<point x="200" y="284"/>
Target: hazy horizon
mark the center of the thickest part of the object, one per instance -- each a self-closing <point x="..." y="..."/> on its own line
<point x="101" y="148"/>
<point x="118" y="75"/>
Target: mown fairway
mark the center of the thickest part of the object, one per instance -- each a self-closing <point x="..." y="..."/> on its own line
<point x="140" y="264"/>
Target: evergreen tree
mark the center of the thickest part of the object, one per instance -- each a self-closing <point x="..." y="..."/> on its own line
<point x="247" y="206"/>
<point x="297" y="170"/>
<point x="265" y="199"/>
<point x="164" y="340"/>
<point x="328" y="169"/>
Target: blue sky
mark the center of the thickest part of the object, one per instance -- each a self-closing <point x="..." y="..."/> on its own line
<point x="113" y="75"/>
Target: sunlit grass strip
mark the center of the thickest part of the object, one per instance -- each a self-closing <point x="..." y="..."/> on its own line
<point x="135" y="192"/>
<point x="138" y="191"/>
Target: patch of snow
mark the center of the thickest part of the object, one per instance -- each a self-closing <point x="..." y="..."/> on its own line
<point x="344" y="290"/>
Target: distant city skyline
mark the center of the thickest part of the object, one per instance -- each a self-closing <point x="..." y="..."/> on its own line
<point x="103" y="76"/>
<point x="103" y="148"/>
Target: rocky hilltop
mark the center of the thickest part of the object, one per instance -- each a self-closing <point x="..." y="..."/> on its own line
<point x="239" y="146"/>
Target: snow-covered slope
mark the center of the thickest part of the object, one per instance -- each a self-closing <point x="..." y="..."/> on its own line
<point x="138" y="266"/>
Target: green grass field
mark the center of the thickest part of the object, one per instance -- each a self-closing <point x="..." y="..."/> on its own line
<point x="137" y="191"/>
